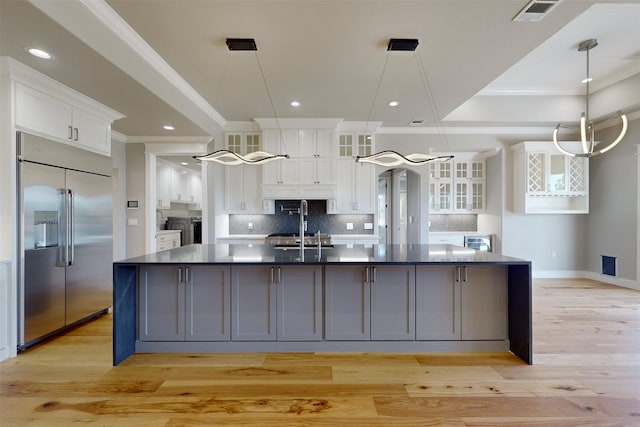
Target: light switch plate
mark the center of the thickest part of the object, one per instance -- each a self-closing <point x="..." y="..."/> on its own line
<point x="132" y="221"/>
<point x="349" y="226"/>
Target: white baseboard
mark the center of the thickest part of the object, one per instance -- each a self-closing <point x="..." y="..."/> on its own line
<point x="567" y="274"/>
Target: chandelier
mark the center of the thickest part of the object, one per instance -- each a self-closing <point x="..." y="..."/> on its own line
<point x="587" y="128"/>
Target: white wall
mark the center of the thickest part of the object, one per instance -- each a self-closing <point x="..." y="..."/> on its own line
<point x="613" y="218"/>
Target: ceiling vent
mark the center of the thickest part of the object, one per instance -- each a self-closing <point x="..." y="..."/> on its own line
<point x="242" y="44"/>
<point x="535" y="10"/>
<point x="416" y="122"/>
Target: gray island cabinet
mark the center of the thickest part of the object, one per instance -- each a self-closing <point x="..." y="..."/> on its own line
<point x="416" y="298"/>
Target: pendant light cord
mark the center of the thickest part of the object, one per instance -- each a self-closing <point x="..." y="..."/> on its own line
<point x="375" y="95"/>
<point x="273" y="108"/>
<point x="432" y="103"/>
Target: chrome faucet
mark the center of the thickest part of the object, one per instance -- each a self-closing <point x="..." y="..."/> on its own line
<point x="304" y="211"/>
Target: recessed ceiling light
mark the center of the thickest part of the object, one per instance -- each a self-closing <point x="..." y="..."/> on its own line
<point x="588" y="79"/>
<point x="39" y="53"/>
<point x="393" y="104"/>
<point x="184" y="163"/>
<point x="295" y="103"/>
<point x="168" y="127"/>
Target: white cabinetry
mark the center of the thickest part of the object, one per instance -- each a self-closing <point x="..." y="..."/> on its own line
<point x="317" y="163"/>
<point x="75" y="120"/>
<point x="243" y="182"/>
<point x="167" y="239"/>
<point x="310" y="171"/>
<point x="175" y="184"/>
<point x="280" y="178"/>
<point x="546" y="181"/>
<point x="163" y="184"/>
<point x="458" y="185"/>
<point x="356" y="181"/>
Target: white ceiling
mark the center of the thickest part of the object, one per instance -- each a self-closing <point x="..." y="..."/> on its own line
<point x="329" y="55"/>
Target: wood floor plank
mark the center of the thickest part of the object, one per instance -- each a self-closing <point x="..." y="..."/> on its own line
<point x="508" y="407"/>
<point x="586" y="372"/>
<point x="500" y="388"/>
<point x="277" y="390"/>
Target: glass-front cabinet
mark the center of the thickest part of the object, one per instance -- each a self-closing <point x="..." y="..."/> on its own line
<point x="546" y="181"/>
<point x="458" y="185"/>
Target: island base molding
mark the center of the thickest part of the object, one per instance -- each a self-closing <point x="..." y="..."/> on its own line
<point x="321" y="346"/>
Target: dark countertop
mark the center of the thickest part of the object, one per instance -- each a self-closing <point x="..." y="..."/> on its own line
<point x="338" y="254"/>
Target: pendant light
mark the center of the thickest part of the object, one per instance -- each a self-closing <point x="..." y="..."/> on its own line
<point x="587" y="127"/>
<point x="228" y="157"/>
<point x="391" y="158"/>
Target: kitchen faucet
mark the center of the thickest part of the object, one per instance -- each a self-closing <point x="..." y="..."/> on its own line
<point x="304" y="211"/>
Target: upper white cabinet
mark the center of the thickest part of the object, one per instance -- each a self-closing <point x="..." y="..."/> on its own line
<point x="458" y="185"/>
<point x="280" y="178"/>
<point x="310" y="171"/>
<point x="243" y="192"/>
<point x="546" y="181"/>
<point x="75" y="120"/>
<point x="175" y="184"/>
<point x="357" y="181"/>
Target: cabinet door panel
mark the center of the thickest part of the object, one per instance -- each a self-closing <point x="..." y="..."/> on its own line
<point x="484" y="303"/>
<point x="92" y="132"/>
<point x="161" y="305"/>
<point x="299" y="303"/>
<point x="208" y="303"/>
<point x="42" y="113"/>
<point x="393" y="303"/>
<point x="437" y="303"/>
<point x="347" y="304"/>
<point x="253" y="300"/>
<point x="365" y="184"/>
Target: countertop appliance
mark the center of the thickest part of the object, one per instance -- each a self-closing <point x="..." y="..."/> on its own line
<point x="479" y="242"/>
<point x="65" y="237"/>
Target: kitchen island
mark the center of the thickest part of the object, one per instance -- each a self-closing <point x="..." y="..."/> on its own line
<point x="385" y="298"/>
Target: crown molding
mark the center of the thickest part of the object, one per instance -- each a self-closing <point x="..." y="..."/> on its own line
<point x="470" y="130"/>
<point x="160" y="139"/>
<point x="96" y="24"/>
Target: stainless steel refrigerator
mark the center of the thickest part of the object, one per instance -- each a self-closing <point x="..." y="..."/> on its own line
<point x="65" y="236"/>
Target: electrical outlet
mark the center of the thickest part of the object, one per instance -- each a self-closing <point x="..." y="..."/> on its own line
<point x="349" y="226"/>
<point x="368" y="226"/>
<point x="132" y="221"/>
<point x="250" y="226"/>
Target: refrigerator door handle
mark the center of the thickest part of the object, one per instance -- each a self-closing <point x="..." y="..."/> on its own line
<point x="63" y="229"/>
<point x="71" y="241"/>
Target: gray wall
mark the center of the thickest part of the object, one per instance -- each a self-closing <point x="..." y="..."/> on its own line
<point x="612" y="223"/>
<point x="553" y="243"/>
<point x="135" y="191"/>
<point x="119" y="182"/>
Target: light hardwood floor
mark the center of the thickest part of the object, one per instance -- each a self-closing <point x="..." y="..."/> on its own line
<point x="586" y="372"/>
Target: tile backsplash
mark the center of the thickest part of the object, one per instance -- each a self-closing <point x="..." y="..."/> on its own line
<point x="459" y="222"/>
<point x="283" y="222"/>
